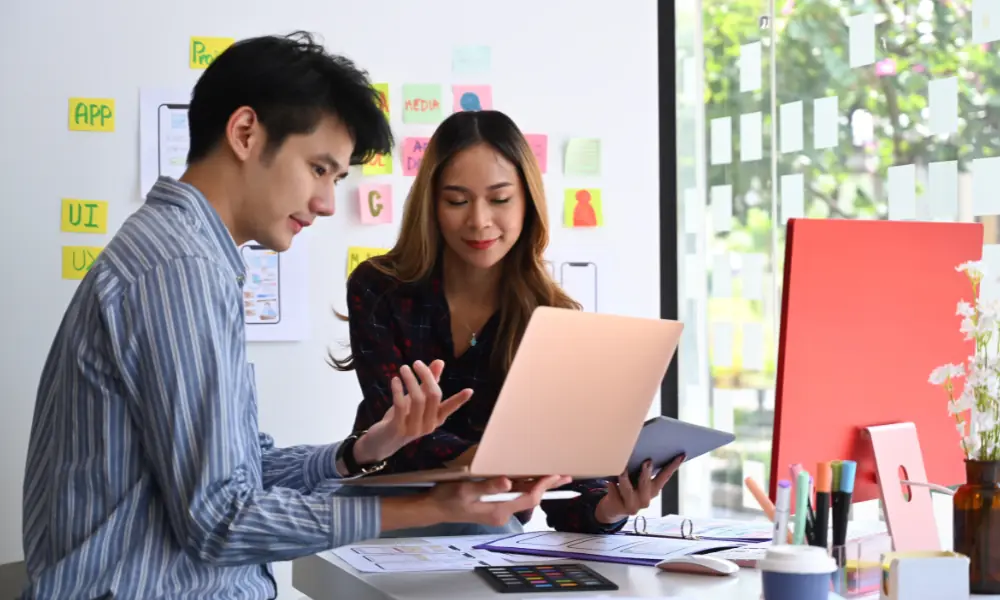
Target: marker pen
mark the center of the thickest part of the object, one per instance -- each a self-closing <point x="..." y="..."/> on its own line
<point x="842" y="501"/>
<point x="801" y="507"/>
<point x="781" y="508"/>
<point x="821" y="524"/>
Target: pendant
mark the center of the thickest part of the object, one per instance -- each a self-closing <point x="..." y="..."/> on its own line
<point x="472" y="342"/>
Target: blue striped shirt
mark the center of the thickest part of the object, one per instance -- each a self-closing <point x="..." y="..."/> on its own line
<point x="146" y="475"/>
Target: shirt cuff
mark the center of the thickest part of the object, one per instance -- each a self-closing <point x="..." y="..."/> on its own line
<point x="321" y="465"/>
<point x="355" y="519"/>
<point x="591" y="524"/>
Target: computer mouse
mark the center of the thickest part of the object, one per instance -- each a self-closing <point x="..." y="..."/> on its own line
<point x="698" y="564"/>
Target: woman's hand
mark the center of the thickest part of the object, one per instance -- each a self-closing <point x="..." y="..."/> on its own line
<point x="460" y="502"/>
<point x="414" y="413"/>
<point x="624" y="499"/>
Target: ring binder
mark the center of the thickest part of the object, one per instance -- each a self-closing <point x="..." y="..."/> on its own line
<point x="686" y="529"/>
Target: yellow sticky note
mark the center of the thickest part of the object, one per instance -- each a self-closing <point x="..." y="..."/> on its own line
<point x="91" y="114"/>
<point x="77" y="260"/>
<point x="383" y="92"/>
<point x="582" y="208"/>
<point x="203" y="50"/>
<point x="583" y="156"/>
<point x="357" y="255"/>
<point x="84" y="216"/>
<point x="380" y="165"/>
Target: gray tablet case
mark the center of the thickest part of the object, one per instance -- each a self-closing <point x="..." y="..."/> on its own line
<point x="663" y="438"/>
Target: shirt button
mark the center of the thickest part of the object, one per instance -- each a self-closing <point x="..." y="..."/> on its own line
<point x="239" y="279"/>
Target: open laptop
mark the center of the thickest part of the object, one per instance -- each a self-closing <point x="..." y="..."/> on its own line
<point x="576" y="396"/>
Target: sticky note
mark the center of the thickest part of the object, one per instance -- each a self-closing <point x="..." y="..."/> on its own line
<point x="357" y="255"/>
<point x="722" y="141"/>
<point x="752" y="276"/>
<point x="694" y="213"/>
<point x="750" y="67"/>
<point x="989" y="288"/>
<point x="539" y="143"/>
<point x="721" y="200"/>
<point x="861" y="42"/>
<point x="92" y="114"/>
<point x="204" y="50"/>
<point x="942" y="104"/>
<point x="77" y="260"/>
<point x="84" y="216"/>
<point x="985" y="21"/>
<point x="826" y="122"/>
<point x="380" y="164"/>
<point x="722" y="349"/>
<point x="472" y="97"/>
<point x="383" y="94"/>
<point x="986" y="187"/>
<point x="471" y="60"/>
<point x="942" y="190"/>
<point x="413" y="153"/>
<point x="583" y="156"/>
<point x="790" y="123"/>
<point x="902" y="192"/>
<point x="422" y="103"/>
<point x="375" y="203"/>
<point x="582" y="208"/>
<point x="753" y="346"/>
<point x="751" y="136"/>
<point x="793" y="204"/>
<point x="722" y="276"/>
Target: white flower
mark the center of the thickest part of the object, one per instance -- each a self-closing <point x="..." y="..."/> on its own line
<point x="971" y="444"/>
<point x="975" y="269"/>
<point x="945" y="373"/>
<point x="965" y="309"/>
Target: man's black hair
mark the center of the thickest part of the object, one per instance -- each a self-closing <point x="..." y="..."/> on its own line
<point x="291" y="82"/>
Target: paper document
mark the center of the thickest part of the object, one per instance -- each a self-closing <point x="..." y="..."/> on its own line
<point x="617" y="548"/>
<point x="163" y="135"/>
<point x="436" y="554"/>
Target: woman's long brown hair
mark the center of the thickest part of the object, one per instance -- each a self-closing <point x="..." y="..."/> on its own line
<point x="526" y="283"/>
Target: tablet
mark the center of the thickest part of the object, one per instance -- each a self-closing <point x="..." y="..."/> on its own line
<point x="662" y="438"/>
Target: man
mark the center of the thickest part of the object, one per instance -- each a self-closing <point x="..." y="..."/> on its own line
<point x="146" y="475"/>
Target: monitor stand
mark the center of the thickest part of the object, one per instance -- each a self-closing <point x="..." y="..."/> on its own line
<point x="899" y="465"/>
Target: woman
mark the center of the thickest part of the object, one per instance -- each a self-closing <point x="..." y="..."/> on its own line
<point x="460" y="285"/>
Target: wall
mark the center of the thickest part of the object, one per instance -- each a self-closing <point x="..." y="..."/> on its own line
<point x="565" y="68"/>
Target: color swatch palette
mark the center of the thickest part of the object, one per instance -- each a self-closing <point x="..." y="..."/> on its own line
<point x="545" y="578"/>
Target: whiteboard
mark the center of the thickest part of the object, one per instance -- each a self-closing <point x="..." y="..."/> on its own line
<point x="563" y="68"/>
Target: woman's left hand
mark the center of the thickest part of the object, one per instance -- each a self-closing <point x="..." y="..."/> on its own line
<point x="624" y="499"/>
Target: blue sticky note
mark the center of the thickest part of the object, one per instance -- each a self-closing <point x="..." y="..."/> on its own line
<point x="471" y="59"/>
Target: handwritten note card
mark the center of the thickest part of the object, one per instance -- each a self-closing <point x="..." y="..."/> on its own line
<point x="413" y="153"/>
<point x="84" y="216"/>
<point x="77" y="260"/>
<point x="472" y="97"/>
<point x="583" y="156"/>
<point x="383" y="93"/>
<point x="204" y="50"/>
<point x="422" y="103"/>
<point x="357" y="255"/>
<point x="380" y="165"/>
<point x="375" y="203"/>
<point x="92" y="114"/>
<point x="471" y="60"/>
<point x="539" y="143"/>
<point x="582" y="208"/>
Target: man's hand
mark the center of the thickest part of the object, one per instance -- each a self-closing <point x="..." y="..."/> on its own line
<point x="460" y="502"/>
<point x="624" y="499"/>
<point x="414" y="413"/>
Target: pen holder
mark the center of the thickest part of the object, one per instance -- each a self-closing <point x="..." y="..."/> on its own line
<point x="859" y="565"/>
<point x="924" y="576"/>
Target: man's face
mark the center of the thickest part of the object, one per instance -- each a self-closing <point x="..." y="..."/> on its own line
<point x="284" y="190"/>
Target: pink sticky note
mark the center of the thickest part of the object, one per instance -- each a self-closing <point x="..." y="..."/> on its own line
<point x="472" y="97"/>
<point x="375" y="203"/>
<point x="413" y="152"/>
<point x="539" y="143"/>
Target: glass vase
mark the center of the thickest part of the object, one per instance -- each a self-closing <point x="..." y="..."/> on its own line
<point x="976" y="513"/>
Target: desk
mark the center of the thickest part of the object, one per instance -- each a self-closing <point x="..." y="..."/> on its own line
<point x="326" y="577"/>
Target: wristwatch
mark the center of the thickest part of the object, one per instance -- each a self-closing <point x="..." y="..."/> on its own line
<point x="346" y="453"/>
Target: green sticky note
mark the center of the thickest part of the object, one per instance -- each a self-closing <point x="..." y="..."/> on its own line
<point x="422" y="103"/>
<point x="583" y="156"/>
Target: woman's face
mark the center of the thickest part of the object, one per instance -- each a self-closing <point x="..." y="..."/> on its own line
<point x="481" y="205"/>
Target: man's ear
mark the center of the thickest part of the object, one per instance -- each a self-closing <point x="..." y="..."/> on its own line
<point x="244" y="132"/>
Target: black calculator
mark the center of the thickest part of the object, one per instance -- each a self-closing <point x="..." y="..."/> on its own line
<point x="545" y="578"/>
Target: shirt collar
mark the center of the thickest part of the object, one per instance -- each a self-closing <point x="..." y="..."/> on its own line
<point x="167" y="190"/>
